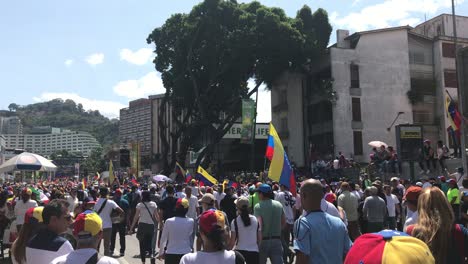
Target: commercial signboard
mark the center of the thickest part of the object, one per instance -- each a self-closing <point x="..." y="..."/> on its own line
<point x="261" y="131"/>
<point x="409" y="140"/>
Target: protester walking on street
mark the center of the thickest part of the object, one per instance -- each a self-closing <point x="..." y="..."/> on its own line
<point x="176" y="235"/>
<point x="453" y="196"/>
<point x="47" y="244"/>
<point x="119" y="223"/>
<point x="246" y="233"/>
<point x="146" y="215"/>
<point x="212" y="226"/>
<point x="33" y="223"/>
<point x="288" y="201"/>
<point x="393" y="209"/>
<point x="350" y="203"/>
<point x="22" y="206"/>
<point x="271" y="217"/>
<point x="88" y="232"/>
<point x="334" y="242"/>
<point x="104" y="208"/>
<point x="375" y="211"/>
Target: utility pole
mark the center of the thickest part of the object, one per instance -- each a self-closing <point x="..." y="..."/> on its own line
<point x="460" y="92"/>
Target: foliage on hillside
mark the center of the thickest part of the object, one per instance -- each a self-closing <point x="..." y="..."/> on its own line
<point x="69" y="115"/>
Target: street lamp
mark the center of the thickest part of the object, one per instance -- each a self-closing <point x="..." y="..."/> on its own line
<point x="398" y="115"/>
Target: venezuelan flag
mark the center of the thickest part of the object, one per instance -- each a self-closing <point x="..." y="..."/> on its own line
<point x="205" y="177"/>
<point x="179" y="170"/>
<point x="280" y="167"/>
<point x="229" y="183"/>
<point x="188" y="177"/>
<point x="453" y="113"/>
<point x="84" y="183"/>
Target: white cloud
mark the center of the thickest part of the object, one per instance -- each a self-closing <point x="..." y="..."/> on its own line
<point x="95" y="59"/>
<point x="264" y="103"/>
<point x="107" y="108"/>
<point x="390" y="13"/>
<point x="68" y="62"/>
<point x="139" y="57"/>
<point x="149" y="84"/>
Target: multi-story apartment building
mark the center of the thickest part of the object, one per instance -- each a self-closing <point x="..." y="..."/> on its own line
<point x="378" y="76"/>
<point x="135" y="125"/>
<point x="10" y="125"/>
<point x="47" y="140"/>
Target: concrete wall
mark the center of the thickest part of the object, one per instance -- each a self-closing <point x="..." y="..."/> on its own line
<point x="383" y="61"/>
<point x="294" y="141"/>
<point x="443" y="26"/>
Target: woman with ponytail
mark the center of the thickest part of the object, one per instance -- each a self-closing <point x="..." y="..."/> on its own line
<point x="245" y="232"/>
<point x="213" y="233"/>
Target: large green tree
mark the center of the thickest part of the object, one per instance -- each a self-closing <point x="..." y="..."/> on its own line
<point x="206" y="58"/>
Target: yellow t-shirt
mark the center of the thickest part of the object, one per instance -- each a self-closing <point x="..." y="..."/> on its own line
<point x="453" y="193"/>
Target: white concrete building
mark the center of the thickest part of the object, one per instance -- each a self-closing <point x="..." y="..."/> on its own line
<point x="399" y="73"/>
<point x="54" y="140"/>
<point x="2" y="149"/>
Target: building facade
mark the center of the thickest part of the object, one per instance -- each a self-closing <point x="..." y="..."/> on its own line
<point x="2" y="149"/>
<point x="47" y="140"/>
<point x="381" y="78"/>
<point x="136" y="126"/>
<point x="11" y="125"/>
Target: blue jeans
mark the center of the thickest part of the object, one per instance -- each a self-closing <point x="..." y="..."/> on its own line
<point x="272" y="249"/>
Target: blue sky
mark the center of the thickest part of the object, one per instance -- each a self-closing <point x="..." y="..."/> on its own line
<point x="95" y="52"/>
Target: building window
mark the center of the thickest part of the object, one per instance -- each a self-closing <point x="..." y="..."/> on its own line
<point x="416" y="57"/>
<point x="356" y="108"/>
<point x="357" y="141"/>
<point x="448" y="50"/>
<point x="450" y="78"/>
<point x="354" y="71"/>
<point x="284" y="124"/>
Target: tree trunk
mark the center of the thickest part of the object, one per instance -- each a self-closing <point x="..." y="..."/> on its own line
<point x="163" y="133"/>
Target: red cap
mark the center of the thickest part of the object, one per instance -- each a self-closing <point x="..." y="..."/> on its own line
<point x="118" y="191"/>
<point x="211" y="220"/>
<point x="412" y="194"/>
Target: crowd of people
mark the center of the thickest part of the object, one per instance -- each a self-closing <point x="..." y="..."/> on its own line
<point x="324" y="222"/>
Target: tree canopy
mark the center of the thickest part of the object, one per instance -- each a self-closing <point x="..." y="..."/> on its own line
<point x="207" y="56"/>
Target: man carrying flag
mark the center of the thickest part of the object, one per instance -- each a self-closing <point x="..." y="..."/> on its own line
<point x="280" y="167"/>
<point x="282" y="172"/>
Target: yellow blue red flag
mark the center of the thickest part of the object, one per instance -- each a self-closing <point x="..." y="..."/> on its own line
<point x="205" y="177"/>
<point x="280" y="167"/>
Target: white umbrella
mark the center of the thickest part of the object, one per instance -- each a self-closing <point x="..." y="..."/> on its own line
<point x="377" y="144"/>
<point x="27" y="162"/>
<point x="160" y="178"/>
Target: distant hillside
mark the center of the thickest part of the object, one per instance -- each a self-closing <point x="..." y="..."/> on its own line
<point x="67" y="114"/>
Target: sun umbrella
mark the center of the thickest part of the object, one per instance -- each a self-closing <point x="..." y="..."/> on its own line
<point x="160" y="178"/>
<point x="377" y="144"/>
<point x="27" y="162"/>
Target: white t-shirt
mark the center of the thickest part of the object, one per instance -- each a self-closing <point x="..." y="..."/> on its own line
<point x="411" y="219"/>
<point x="179" y="195"/>
<point x="200" y="257"/>
<point x="145" y="217"/>
<point x="392" y="201"/>
<point x="288" y="201"/>
<point x="106" y="211"/>
<point x="193" y="205"/>
<point x="329" y="208"/>
<point x="21" y="208"/>
<point x="218" y="196"/>
<point x="247" y="239"/>
<point x="80" y="256"/>
<point x="72" y="201"/>
<point x="194" y="190"/>
<point x="176" y="236"/>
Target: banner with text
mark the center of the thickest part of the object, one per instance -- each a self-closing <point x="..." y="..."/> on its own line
<point x="248" y="116"/>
